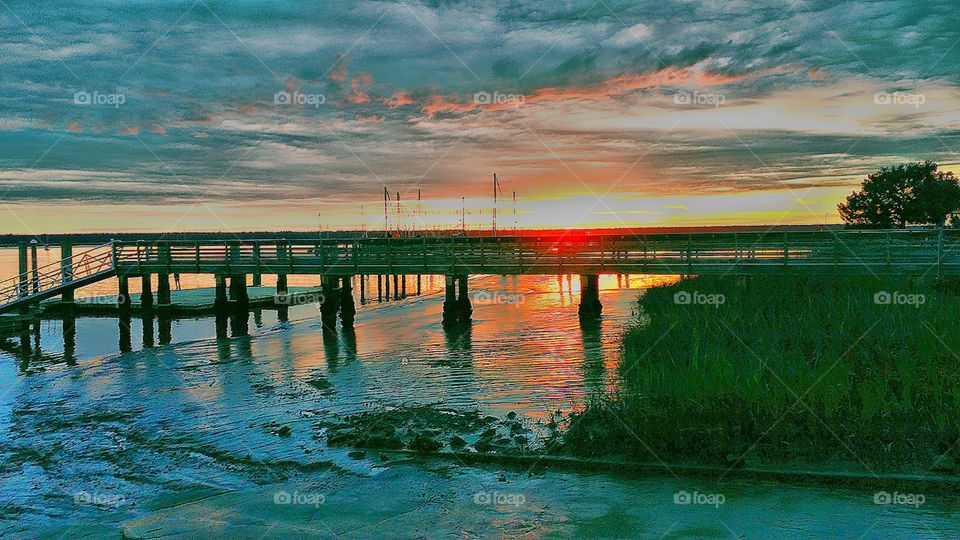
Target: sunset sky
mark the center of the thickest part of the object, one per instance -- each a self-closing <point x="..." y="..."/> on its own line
<point x="169" y="116"/>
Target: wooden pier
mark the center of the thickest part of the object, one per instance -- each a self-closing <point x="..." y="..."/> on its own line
<point x="337" y="261"/>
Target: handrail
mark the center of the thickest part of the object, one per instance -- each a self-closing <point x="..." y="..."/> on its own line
<point x="50" y="276"/>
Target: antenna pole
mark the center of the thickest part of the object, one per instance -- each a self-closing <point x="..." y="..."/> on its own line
<point x="386" y="227"/>
<point x="494" y="204"/>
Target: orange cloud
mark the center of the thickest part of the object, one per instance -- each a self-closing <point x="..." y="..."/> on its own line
<point x="158" y="129"/>
<point x="816" y="74"/>
<point x="74" y="127"/>
<point x="132" y="130"/>
<point x="358" y="88"/>
<point x="400" y="99"/>
<point x="610" y="88"/>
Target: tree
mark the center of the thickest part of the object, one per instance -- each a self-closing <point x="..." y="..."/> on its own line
<point x="901" y="195"/>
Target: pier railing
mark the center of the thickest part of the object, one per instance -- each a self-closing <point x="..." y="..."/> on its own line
<point x="934" y="252"/>
<point x="51" y="279"/>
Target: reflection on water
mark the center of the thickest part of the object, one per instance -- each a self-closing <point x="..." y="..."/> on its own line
<point x="142" y="405"/>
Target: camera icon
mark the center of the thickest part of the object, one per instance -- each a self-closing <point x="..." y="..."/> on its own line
<point x="483" y="98"/>
<point x="282" y="98"/>
<point x="282" y="497"/>
<point x="883" y="98"/>
<point x="882" y="498"/>
<point x="82" y="98"/>
<point x="683" y="298"/>
<point x="482" y="498"/>
<point x="282" y="299"/>
<point x="682" y="97"/>
<point x="682" y="497"/>
<point x="882" y="298"/>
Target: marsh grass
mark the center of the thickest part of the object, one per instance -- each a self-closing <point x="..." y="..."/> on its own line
<point x="807" y="371"/>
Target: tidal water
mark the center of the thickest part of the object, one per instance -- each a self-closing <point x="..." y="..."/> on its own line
<point x="92" y="439"/>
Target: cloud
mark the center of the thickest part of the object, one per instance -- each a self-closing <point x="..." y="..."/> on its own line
<point x="631" y="36"/>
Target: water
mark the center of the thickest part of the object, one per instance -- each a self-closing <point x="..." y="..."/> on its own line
<point x="92" y="439"/>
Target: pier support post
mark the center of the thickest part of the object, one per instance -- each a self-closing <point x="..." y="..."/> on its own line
<point x="418" y="284"/>
<point x="24" y="269"/>
<point x="330" y="303"/>
<point x="66" y="269"/>
<point x="282" y="284"/>
<point x="386" y="287"/>
<point x="238" y="290"/>
<point x="590" y="306"/>
<point x="33" y="261"/>
<point x="348" y="310"/>
<point x="464" y="308"/>
<point x="403" y="284"/>
<point x="450" y="301"/>
<point x="163" y="290"/>
<point x="396" y="287"/>
<point x="146" y="292"/>
<point x="24" y="283"/>
<point x="123" y="325"/>
<point x="220" y="298"/>
<point x="363" y="289"/>
<point x="379" y="288"/>
<point x="123" y="292"/>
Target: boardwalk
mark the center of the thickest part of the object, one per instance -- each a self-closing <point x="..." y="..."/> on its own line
<point x="925" y="252"/>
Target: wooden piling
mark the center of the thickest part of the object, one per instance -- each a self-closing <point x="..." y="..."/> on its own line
<point x="35" y="278"/>
<point x="163" y="290"/>
<point x="590" y="306"/>
<point x="146" y="292"/>
<point x="66" y="269"/>
<point x="123" y="292"/>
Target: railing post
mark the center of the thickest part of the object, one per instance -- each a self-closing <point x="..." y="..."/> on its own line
<point x="887" y="252"/>
<point x="35" y="276"/>
<point x="24" y="287"/>
<point x="786" y="250"/>
<point x="940" y="253"/>
<point x="66" y="269"/>
<point x="736" y="251"/>
<point x="319" y="248"/>
<point x="689" y="254"/>
<point x="257" y="277"/>
<point x="114" y="245"/>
